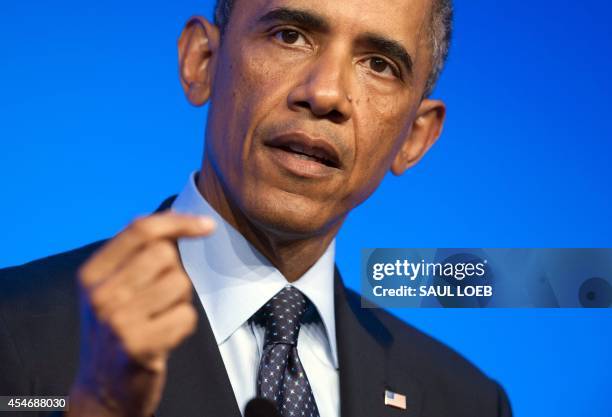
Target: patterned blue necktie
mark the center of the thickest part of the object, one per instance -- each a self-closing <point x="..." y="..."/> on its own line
<point x="281" y="377"/>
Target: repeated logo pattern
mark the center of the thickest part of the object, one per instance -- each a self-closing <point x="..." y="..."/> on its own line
<point x="281" y="377"/>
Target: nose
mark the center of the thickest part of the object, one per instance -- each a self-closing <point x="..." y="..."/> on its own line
<point x="324" y="91"/>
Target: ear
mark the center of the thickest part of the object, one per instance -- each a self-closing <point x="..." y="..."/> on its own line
<point x="425" y="130"/>
<point x="197" y="48"/>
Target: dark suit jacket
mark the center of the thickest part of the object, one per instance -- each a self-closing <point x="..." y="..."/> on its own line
<point x="39" y="347"/>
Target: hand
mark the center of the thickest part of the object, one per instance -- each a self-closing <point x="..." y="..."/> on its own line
<point x="135" y="308"/>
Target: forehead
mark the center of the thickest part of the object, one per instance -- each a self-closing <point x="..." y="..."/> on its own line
<point x="402" y="20"/>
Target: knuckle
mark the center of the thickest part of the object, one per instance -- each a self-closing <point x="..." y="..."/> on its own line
<point x="184" y="283"/>
<point x="116" y="323"/>
<point x="184" y="326"/>
<point x="164" y="251"/>
<point x="85" y="273"/>
<point x="140" y="227"/>
<point x="192" y="315"/>
<point x="188" y="316"/>
<point x="191" y="320"/>
<point x="138" y="347"/>
<point x="96" y="299"/>
<point x="131" y="344"/>
<point x="139" y="221"/>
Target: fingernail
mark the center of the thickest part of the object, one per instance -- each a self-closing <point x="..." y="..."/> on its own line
<point x="206" y="222"/>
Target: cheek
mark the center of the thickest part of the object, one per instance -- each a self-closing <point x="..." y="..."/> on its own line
<point x="380" y="127"/>
<point x="380" y="123"/>
<point x="256" y="79"/>
<point x="240" y="99"/>
<point x="257" y="85"/>
<point x="381" y="116"/>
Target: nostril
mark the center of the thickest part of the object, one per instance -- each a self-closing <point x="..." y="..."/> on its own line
<point x="303" y="104"/>
<point x="335" y="116"/>
<point x="332" y="115"/>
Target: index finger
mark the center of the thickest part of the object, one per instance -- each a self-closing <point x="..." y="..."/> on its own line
<point x="139" y="233"/>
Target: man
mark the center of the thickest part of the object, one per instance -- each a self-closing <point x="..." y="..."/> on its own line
<point x="311" y="103"/>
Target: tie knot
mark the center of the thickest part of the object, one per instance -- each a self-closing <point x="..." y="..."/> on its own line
<point x="283" y="314"/>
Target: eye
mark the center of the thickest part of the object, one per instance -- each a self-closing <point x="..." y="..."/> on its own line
<point x="290" y="37"/>
<point x="382" y="66"/>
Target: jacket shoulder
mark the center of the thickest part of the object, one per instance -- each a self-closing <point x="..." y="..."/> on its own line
<point x="50" y="277"/>
<point x="39" y="321"/>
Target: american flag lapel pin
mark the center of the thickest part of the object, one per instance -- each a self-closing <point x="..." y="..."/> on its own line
<point x="393" y="399"/>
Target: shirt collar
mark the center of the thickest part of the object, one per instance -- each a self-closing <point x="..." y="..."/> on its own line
<point x="233" y="279"/>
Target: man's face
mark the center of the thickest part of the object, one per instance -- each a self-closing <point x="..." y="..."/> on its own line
<point x="311" y="102"/>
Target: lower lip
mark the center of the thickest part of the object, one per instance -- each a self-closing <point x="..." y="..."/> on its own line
<point x="299" y="166"/>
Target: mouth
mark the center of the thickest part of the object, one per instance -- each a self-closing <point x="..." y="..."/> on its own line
<point x="304" y="147"/>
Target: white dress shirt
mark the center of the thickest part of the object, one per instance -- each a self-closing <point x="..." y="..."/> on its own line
<point x="233" y="280"/>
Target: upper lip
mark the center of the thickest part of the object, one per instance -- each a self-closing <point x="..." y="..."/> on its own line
<point x="303" y="143"/>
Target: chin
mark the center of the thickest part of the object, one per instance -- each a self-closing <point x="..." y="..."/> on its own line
<point x="288" y="215"/>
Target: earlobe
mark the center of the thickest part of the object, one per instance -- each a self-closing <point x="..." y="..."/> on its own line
<point x="426" y="129"/>
<point x="197" y="47"/>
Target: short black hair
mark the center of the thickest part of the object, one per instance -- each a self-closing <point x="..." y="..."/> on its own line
<point x="441" y="28"/>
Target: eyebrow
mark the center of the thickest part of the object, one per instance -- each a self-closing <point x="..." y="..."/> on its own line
<point x="299" y="17"/>
<point x="389" y="47"/>
<point x="317" y="23"/>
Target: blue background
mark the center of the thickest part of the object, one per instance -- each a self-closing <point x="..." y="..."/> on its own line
<point x="94" y="130"/>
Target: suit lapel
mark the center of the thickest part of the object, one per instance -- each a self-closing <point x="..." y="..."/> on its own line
<point x="365" y="366"/>
<point x="198" y="384"/>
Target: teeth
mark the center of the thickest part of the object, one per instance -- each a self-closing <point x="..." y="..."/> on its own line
<point x="306" y="157"/>
<point x="297" y="148"/>
<point x="315" y="153"/>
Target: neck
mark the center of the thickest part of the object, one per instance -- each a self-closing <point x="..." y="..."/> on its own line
<point x="291" y="254"/>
